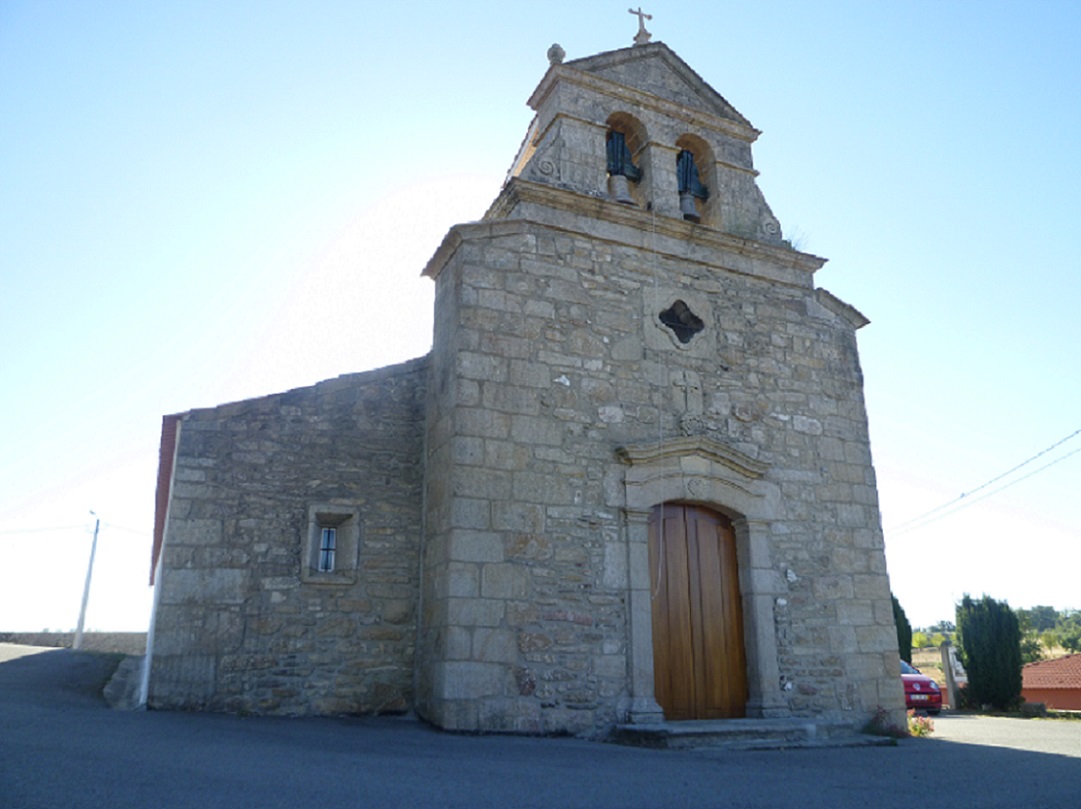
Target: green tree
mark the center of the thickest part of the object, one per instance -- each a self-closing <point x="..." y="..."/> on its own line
<point x="1031" y="650"/>
<point x="1068" y="630"/>
<point x="1039" y="619"/>
<point x="990" y="641"/>
<point x="920" y="640"/>
<point x="904" y="630"/>
<point x="1030" y="637"/>
<point x="1049" y="640"/>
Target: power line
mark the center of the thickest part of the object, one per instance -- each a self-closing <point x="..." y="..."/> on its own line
<point x="41" y="530"/>
<point x="985" y="485"/>
<point x="922" y="520"/>
<point x="139" y="533"/>
<point x="1030" y="474"/>
<point x="975" y="500"/>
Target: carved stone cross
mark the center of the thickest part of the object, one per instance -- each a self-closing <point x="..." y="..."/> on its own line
<point x="643" y="36"/>
<point x="689" y="395"/>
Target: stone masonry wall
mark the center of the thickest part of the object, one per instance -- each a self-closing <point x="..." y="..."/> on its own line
<point x="241" y="626"/>
<point x="558" y="360"/>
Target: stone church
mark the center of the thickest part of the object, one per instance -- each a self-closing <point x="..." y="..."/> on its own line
<point x="630" y="483"/>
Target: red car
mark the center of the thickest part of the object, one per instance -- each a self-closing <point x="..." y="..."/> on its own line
<point x="921" y="692"/>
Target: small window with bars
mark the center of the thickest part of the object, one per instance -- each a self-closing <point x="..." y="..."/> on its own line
<point x="328" y="544"/>
<point x="330" y="553"/>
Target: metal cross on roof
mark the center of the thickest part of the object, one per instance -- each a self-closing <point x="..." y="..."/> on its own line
<point x="643" y="36"/>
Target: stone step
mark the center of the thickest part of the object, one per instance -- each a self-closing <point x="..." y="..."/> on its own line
<point x="122" y="690"/>
<point x="745" y="734"/>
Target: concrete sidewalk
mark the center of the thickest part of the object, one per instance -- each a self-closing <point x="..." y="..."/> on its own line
<point x="60" y="746"/>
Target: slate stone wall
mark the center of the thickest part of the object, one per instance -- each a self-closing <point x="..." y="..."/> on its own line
<point x="238" y="626"/>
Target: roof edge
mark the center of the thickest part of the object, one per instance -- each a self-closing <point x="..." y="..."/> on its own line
<point x="170" y="431"/>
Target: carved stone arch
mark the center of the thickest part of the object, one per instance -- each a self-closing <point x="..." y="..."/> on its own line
<point x="637" y="139"/>
<point x="706" y="163"/>
<point x="699" y="470"/>
<point x="632" y="128"/>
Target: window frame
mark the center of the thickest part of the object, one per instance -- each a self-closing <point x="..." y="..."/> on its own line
<point x="337" y="564"/>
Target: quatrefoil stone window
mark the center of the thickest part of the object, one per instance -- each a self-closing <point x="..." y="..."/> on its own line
<point x="684" y="323"/>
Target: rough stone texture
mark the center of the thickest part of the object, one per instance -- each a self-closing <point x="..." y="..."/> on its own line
<point x="550" y="355"/>
<point x="780" y="382"/>
<point x="237" y="628"/>
<point x="664" y="107"/>
<point x="555" y="411"/>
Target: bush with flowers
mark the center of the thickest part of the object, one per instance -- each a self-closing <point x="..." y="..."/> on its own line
<point x="919" y="725"/>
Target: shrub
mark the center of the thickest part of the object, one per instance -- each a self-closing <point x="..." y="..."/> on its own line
<point x="990" y="641"/>
<point x="1033" y="710"/>
<point x="919" y="725"/>
<point x="966" y="700"/>
<point x="881" y="725"/>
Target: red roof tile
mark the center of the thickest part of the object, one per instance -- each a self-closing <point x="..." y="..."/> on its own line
<point x="1064" y="672"/>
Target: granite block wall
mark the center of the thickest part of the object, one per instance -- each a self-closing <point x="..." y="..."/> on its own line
<point x="244" y="623"/>
<point x="554" y="357"/>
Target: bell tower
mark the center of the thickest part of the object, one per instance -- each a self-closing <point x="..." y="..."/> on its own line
<point x="670" y="140"/>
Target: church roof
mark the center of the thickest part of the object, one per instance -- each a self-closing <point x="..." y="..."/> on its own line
<point x="657" y="70"/>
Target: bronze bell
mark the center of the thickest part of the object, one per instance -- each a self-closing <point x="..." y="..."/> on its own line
<point x="688" y="208"/>
<point x="619" y="189"/>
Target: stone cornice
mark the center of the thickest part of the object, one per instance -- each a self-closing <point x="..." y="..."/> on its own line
<point x="633" y="97"/>
<point x="520" y="191"/>
<point x="843" y="310"/>
<point x="442" y="254"/>
<point x="699" y="446"/>
<point x="665" y="236"/>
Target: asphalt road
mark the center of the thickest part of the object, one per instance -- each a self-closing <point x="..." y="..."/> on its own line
<point x="61" y="746"/>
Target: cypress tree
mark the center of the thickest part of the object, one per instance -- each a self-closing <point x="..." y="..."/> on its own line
<point x="904" y="630"/>
<point x="990" y="641"/>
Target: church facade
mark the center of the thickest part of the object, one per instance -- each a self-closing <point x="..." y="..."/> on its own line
<point x="632" y="481"/>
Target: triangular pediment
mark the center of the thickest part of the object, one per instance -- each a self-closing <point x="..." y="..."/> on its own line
<point x="657" y="70"/>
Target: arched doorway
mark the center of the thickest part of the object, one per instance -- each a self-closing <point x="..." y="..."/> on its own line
<point x="699" y="661"/>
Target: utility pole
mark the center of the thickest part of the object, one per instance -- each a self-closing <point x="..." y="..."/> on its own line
<point x="86" y="589"/>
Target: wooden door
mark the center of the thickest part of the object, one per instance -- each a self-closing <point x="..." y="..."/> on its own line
<point x="699" y="663"/>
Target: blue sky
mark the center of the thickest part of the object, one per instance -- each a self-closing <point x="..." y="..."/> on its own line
<point x="204" y="201"/>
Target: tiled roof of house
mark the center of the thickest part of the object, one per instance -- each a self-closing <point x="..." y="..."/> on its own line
<point x="1064" y="672"/>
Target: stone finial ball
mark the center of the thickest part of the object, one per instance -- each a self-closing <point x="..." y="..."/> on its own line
<point x="556" y="54"/>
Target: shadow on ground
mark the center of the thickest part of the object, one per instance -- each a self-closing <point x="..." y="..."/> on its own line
<point x="60" y="746"/>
